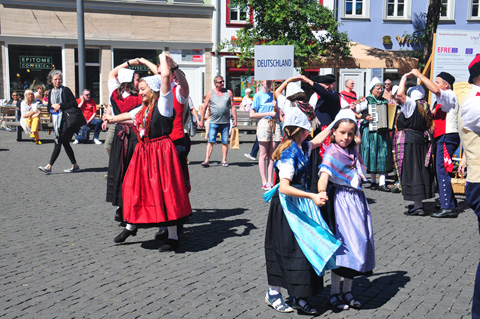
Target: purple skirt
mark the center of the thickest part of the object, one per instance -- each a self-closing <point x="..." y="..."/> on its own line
<point x="354" y="230"/>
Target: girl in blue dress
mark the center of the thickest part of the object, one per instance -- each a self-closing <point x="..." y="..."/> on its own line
<point x="299" y="246"/>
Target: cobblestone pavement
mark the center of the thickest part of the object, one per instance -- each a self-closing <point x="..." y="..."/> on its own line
<point x="58" y="259"/>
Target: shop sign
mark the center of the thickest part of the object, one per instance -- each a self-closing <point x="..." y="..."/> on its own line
<point x="187" y="55"/>
<point x="274" y="62"/>
<point x="36" y="62"/>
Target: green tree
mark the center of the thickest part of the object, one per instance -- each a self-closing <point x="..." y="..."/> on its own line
<point x="288" y="22"/>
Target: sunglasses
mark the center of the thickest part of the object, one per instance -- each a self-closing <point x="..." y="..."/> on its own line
<point x="388" y="83"/>
<point x="14" y="95"/>
<point x="220" y="82"/>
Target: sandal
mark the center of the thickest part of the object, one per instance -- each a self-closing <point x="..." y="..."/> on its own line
<point x="205" y="164"/>
<point x="225" y="164"/>
<point x="337" y="302"/>
<point x="351" y="301"/>
<point x="306" y="308"/>
<point x="277" y="303"/>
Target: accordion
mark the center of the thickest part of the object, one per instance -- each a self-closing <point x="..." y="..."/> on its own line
<point x="383" y="116"/>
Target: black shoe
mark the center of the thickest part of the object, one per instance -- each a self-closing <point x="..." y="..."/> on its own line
<point x="374" y="186"/>
<point x="416" y="212"/>
<point x="124" y="235"/>
<point x="409" y="206"/>
<point x="119" y="214"/>
<point x="161" y="234"/>
<point x="445" y="213"/>
<point x="123" y="224"/>
<point x="306" y="308"/>
<point x="383" y="188"/>
<point x="170" y="245"/>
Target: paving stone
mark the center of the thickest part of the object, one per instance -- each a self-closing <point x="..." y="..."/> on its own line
<point x="59" y="259"/>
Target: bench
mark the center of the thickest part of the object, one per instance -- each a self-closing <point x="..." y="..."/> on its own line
<point x="245" y="123"/>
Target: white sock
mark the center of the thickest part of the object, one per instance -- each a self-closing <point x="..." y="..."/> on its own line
<point x="131" y="227"/>
<point x="382" y="180"/>
<point x="347" y="285"/>
<point x="374" y="178"/>
<point x="172" y="232"/>
<point x="274" y="290"/>
<point x="335" y="286"/>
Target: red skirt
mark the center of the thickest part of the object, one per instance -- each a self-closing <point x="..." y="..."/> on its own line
<point x="154" y="189"/>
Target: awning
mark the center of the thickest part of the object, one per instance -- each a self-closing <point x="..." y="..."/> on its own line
<point x="366" y="57"/>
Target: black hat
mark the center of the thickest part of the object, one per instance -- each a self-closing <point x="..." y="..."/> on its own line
<point x="447" y="77"/>
<point x="325" y="79"/>
<point x="474" y="68"/>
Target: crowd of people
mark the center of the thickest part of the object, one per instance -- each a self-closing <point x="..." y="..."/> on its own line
<point x="315" y="154"/>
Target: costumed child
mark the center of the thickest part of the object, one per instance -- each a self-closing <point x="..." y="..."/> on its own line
<point x="353" y="223"/>
<point x="298" y="243"/>
<point x="154" y="191"/>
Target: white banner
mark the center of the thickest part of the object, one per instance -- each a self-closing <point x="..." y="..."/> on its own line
<point x="274" y="62"/>
<point x="454" y="50"/>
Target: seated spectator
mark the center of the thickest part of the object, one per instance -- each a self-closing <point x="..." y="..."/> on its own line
<point x="39" y="93"/>
<point x="89" y="110"/>
<point x="30" y="116"/>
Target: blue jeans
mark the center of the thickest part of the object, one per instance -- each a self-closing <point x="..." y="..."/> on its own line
<point x="254" y="151"/>
<point x="215" y="128"/>
<point x="96" y="124"/>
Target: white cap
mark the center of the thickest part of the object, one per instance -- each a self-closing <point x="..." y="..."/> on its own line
<point x="295" y="117"/>
<point x="374" y="82"/>
<point x="154" y="82"/>
<point x="394" y="89"/>
<point x="248" y="90"/>
<point x="125" y="75"/>
<point x="293" y="88"/>
<point x="416" y="92"/>
<point x="344" y="114"/>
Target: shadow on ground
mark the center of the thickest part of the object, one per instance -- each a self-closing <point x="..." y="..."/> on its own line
<point x="206" y="229"/>
<point x="373" y="291"/>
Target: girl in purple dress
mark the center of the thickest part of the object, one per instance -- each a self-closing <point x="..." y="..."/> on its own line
<point x="343" y="166"/>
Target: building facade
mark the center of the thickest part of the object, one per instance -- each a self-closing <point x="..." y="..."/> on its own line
<point x="388" y="21"/>
<point x="37" y="36"/>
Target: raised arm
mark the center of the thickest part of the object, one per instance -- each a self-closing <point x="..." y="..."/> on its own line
<point x="320" y="137"/>
<point x="148" y="64"/>
<point x="164" y="73"/>
<point x="401" y="96"/>
<point x="114" y="73"/>
<point x="181" y="79"/>
<point x="428" y="83"/>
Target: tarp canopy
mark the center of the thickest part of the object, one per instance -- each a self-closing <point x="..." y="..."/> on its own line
<point x="366" y="57"/>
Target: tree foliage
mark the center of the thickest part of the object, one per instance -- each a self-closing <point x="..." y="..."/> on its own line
<point x="288" y="22"/>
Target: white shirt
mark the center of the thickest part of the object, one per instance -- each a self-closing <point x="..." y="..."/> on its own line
<point x="470" y="110"/>
<point x="449" y="104"/>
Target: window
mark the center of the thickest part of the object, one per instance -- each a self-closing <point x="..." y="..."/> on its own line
<point x="447" y="10"/>
<point x="474" y="10"/>
<point x="356" y="9"/>
<point x="397" y="10"/>
<point x="236" y="16"/>
<point x="29" y="66"/>
<point x="92" y="73"/>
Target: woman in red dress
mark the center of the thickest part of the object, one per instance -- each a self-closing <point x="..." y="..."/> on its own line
<point x="154" y="190"/>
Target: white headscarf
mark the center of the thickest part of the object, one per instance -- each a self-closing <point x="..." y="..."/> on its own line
<point x="154" y="82"/>
<point x="375" y="81"/>
<point x="125" y="75"/>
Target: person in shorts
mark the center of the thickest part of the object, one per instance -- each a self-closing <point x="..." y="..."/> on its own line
<point x="221" y="102"/>
<point x="268" y="130"/>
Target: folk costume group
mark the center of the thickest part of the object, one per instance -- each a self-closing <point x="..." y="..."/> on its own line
<point x="312" y="226"/>
<point x="328" y="226"/>
<point x="147" y="178"/>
